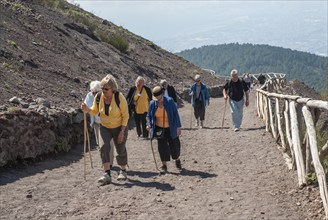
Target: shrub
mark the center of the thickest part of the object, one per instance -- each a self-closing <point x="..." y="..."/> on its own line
<point x="12" y="43"/>
<point x="115" y="40"/>
<point x="83" y="18"/>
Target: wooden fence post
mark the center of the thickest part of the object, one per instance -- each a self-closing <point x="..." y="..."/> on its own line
<point x="315" y="156"/>
<point x="297" y="145"/>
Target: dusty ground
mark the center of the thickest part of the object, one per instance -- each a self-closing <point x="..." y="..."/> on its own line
<point x="226" y="175"/>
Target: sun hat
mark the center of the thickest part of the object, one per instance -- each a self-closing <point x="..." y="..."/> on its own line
<point x="157" y="93"/>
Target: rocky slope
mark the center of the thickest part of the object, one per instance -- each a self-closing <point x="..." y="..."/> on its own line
<point x="52" y="50"/>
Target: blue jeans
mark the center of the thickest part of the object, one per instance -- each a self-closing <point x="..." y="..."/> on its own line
<point x="236" y="112"/>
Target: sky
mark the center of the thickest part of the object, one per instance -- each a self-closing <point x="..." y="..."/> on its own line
<point x="178" y="25"/>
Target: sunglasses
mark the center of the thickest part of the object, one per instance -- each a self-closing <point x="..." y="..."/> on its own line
<point x="159" y="97"/>
<point x="105" y="89"/>
<point x="197" y="81"/>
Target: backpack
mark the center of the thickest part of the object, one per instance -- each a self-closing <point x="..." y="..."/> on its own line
<point x="117" y="99"/>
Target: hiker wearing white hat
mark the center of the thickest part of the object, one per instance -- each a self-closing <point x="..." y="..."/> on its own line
<point x="164" y="124"/>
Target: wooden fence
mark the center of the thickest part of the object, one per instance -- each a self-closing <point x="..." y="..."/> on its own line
<point x="291" y="120"/>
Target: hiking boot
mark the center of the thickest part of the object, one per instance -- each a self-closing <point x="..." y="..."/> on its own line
<point x="163" y="169"/>
<point x="122" y="175"/>
<point x="178" y="164"/>
<point x="201" y="123"/>
<point x="105" y="179"/>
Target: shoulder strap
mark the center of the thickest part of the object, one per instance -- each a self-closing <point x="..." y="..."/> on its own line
<point x="140" y="93"/>
<point x="98" y="95"/>
<point x="117" y="99"/>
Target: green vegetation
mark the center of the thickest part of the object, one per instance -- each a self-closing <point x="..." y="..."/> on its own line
<point x="306" y="67"/>
<point x="83" y="18"/>
<point x="115" y="40"/>
<point x="12" y="43"/>
<point x="7" y="86"/>
<point x="62" y="146"/>
<point x="55" y="4"/>
<point x="12" y="109"/>
<point x="15" y="6"/>
<point x="93" y="23"/>
<point x="6" y="65"/>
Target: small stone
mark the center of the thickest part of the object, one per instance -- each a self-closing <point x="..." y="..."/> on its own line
<point x="29" y="196"/>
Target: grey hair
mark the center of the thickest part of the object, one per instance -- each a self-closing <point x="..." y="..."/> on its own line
<point x="163" y="81"/>
<point x="234" y="72"/>
<point x="95" y="86"/>
<point x="110" y="81"/>
<point x="140" y="78"/>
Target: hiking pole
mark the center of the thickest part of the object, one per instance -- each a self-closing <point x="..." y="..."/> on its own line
<point x="191" y="110"/>
<point x="225" y="109"/>
<point x="152" y="150"/>
<point x="85" y="140"/>
<point x="88" y="138"/>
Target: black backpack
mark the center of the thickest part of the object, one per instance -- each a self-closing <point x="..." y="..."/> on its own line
<point x="117" y="99"/>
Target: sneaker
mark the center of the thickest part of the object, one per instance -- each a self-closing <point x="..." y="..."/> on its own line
<point x="163" y="169"/>
<point x="122" y="175"/>
<point x="178" y="164"/>
<point x="237" y="129"/>
<point x="201" y="124"/>
<point x="105" y="179"/>
<point x="197" y="123"/>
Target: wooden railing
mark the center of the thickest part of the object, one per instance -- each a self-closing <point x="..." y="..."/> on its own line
<point x="285" y="117"/>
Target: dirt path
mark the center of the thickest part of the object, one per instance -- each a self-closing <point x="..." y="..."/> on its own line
<point x="226" y="175"/>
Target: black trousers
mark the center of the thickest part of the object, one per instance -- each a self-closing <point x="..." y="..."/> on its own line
<point x="168" y="147"/>
<point x="199" y="110"/>
<point x="141" y="121"/>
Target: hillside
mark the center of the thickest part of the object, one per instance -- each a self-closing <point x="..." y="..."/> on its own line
<point x="306" y="67"/>
<point x="52" y="49"/>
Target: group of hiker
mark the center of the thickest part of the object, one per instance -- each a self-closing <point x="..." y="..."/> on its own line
<point x="155" y="114"/>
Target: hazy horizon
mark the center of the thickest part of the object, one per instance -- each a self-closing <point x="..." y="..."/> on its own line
<point x="180" y="25"/>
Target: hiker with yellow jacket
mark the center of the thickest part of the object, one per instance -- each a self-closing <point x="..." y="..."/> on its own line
<point x="138" y="98"/>
<point x="114" y="117"/>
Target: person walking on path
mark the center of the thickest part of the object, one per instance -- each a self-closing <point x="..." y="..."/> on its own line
<point x="114" y="116"/>
<point x="138" y="98"/>
<point x="164" y="124"/>
<point x="236" y="89"/>
<point x="248" y="80"/>
<point x="169" y="91"/>
<point x="200" y="100"/>
<point x="95" y="88"/>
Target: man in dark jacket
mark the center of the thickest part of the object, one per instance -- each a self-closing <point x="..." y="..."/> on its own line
<point x="169" y="90"/>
